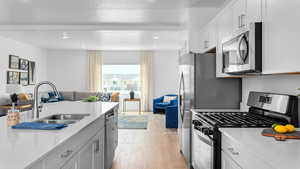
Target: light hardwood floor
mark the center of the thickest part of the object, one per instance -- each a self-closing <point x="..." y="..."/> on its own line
<point x="154" y="148"/>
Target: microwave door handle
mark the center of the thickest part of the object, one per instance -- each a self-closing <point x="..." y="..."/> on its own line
<point x="243" y="60"/>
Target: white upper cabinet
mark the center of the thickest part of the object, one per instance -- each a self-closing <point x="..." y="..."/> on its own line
<point x="281" y="32"/>
<point x="239" y="15"/>
<point x="254" y="11"/>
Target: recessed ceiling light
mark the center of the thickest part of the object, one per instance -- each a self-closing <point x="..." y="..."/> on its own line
<point x="83" y="46"/>
<point x="155" y="37"/>
<point x="151" y="1"/>
<point x="65" y="35"/>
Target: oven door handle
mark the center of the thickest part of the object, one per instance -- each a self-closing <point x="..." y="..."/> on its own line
<point x="209" y="142"/>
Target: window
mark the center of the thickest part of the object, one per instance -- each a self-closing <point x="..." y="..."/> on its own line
<point x="121" y="78"/>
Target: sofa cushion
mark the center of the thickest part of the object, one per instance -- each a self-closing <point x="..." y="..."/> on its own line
<point x="52" y="95"/>
<point x="168" y="99"/>
<point x="82" y="95"/>
<point x="104" y="97"/>
<point x="68" y="96"/>
<point x="162" y="104"/>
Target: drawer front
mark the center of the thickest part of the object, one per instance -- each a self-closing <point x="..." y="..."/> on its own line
<point x="244" y="156"/>
<point x="64" y="152"/>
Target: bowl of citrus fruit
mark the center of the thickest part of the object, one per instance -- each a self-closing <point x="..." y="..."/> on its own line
<point x="282" y="129"/>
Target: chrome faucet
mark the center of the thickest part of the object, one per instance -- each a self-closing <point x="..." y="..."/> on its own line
<point x="36" y="108"/>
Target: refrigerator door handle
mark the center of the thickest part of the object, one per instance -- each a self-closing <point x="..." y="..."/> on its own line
<point x="181" y="96"/>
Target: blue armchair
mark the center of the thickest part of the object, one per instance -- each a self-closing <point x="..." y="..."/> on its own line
<point x="170" y="109"/>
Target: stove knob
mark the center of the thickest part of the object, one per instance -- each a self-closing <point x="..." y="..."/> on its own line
<point x="196" y="123"/>
<point x="207" y="131"/>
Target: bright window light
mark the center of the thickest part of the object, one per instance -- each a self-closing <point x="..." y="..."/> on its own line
<point x="121" y="78"/>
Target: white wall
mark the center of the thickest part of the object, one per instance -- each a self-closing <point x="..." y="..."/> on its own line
<point x="68" y="69"/>
<point x="165" y="72"/>
<point x="287" y="84"/>
<point x="26" y="51"/>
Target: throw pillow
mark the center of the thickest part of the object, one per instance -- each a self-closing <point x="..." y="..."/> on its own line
<point x="105" y="97"/>
<point x="167" y="99"/>
<point x="52" y="95"/>
<point x="115" y="96"/>
<point x="90" y="99"/>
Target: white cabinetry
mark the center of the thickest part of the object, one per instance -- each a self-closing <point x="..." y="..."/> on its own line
<point x="228" y="163"/>
<point x="91" y="155"/>
<point x="85" y="150"/>
<point x="71" y="164"/>
<point x="281" y="36"/>
<point x="236" y="156"/>
<point x="208" y="36"/>
<point x="239" y="15"/>
<point x="245" y="12"/>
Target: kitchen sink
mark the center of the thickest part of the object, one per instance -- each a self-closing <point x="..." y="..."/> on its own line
<point x="57" y="121"/>
<point x="65" y="117"/>
<point x="62" y="118"/>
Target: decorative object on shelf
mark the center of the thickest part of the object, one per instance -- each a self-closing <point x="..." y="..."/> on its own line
<point x="13" y="62"/>
<point x="23" y="64"/>
<point x="13" y="77"/>
<point x="31" y="73"/>
<point x="13" y="90"/>
<point x="131" y="93"/>
<point x="24" y="78"/>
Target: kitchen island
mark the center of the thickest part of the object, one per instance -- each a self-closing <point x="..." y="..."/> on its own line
<point x="80" y="145"/>
<point x="247" y="148"/>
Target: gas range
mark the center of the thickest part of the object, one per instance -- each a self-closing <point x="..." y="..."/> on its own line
<point x="265" y="109"/>
<point x="236" y="119"/>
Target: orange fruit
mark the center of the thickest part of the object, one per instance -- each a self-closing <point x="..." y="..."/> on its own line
<point x="290" y="128"/>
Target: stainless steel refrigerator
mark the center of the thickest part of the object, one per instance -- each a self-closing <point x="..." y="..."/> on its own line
<point x="200" y="89"/>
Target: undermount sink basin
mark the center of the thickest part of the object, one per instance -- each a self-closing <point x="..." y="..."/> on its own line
<point x="66" y="117"/>
<point x="62" y="118"/>
<point x="56" y="121"/>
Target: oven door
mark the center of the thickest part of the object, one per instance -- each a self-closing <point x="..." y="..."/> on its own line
<point x="202" y="150"/>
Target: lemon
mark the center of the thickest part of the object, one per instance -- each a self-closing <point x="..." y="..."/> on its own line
<point x="281" y="129"/>
<point x="274" y="125"/>
<point x="290" y="128"/>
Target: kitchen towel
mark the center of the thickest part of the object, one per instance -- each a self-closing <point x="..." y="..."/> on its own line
<point x="39" y="126"/>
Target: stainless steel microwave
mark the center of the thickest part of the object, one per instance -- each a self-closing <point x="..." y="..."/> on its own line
<point x="243" y="53"/>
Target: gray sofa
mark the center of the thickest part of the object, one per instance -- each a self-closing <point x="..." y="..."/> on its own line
<point x="77" y="96"/>
<point x="68" y="96"/>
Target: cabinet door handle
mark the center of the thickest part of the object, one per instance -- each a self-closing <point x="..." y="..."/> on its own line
<point x="205" y="44"/>
<point x="243" y="16"/>
<point x="231" y="150"/>
<point x="97" y="146"/>
<point x="66" y="154"/>
<point x="239" y="21"/>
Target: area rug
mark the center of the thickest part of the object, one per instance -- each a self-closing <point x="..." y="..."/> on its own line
<point x="133" y="121"/>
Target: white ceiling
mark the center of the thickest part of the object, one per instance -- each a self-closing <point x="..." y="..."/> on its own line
<point x="99" y="40"/>
<point x="98" y="24"/>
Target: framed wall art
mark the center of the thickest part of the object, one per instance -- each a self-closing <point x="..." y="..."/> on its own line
<point x="24" y="80"/>
<point x="23" y="64"/>
<point x="13" y="62"/>
<point x="13" y="77"/>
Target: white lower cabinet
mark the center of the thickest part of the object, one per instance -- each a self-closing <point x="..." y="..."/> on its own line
<point x="228" y="163"/>
<point x="84" y="150"/>
<point x="238" y="156"/>
<point x="71" y="164"/>
<point x="91" y="155"/>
